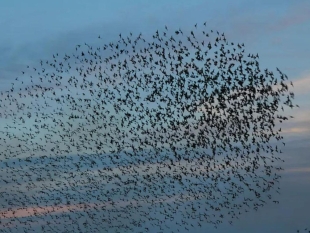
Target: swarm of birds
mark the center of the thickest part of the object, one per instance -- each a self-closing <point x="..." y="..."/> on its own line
<point x="170" y="132"/>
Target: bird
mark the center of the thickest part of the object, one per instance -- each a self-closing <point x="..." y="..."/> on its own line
<point x="131" y="132"/>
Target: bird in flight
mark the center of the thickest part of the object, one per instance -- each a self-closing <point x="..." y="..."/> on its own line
<point x="137" y="132"/>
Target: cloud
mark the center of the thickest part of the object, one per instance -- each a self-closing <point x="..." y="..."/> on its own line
<point x="249" y="23"/>
<point x="296" y="130"/>
<point x="38" y="211"/>
<point x="297" y="14"/>
<point x="298" y="170"/>
<point x="302" y="85"/>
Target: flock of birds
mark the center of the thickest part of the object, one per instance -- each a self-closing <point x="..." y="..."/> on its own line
<point x="168" y="133"/>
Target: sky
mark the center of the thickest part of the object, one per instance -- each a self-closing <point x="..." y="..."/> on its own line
<point x="277" y="30"/>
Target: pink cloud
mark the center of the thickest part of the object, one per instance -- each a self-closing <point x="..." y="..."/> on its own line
<point x="34" y="211"/>
<point x="297" y="15"/>
<point x="302" y="85"/>
<point x="298" y="170"/>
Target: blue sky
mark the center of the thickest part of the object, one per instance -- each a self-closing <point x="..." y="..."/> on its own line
<point x="277" y="30"/>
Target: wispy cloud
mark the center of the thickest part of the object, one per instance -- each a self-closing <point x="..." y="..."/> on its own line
<point x="298" y="14"/>
<point x="298" y="170"/>
<point x="302" y="85"/>
<point x="39" y="211"/>
<point x="295" y="130"/>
